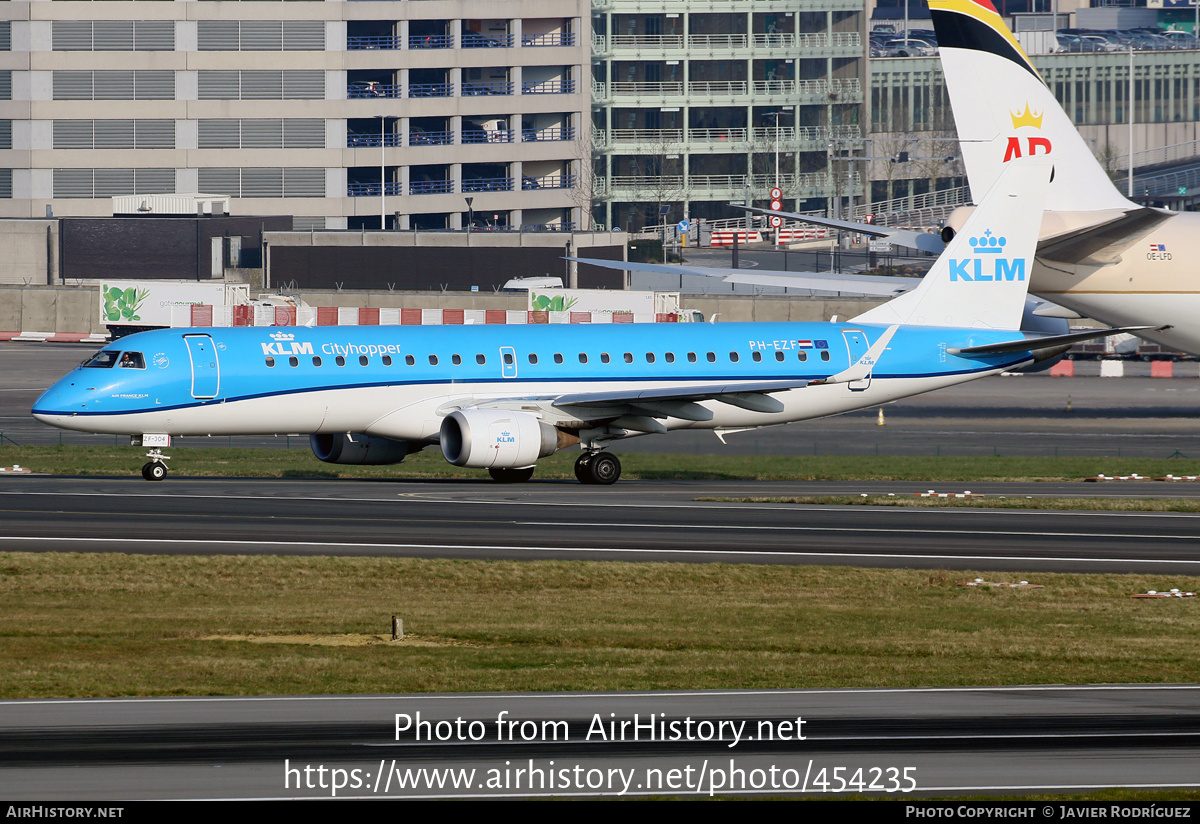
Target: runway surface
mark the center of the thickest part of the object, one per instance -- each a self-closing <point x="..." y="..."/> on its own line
<point x="633" y="521"/>
<point x="895" y="743"/>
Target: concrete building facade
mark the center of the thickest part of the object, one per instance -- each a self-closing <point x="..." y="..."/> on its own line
<point x="345" y="114"/>
<point x="694" y="101"/>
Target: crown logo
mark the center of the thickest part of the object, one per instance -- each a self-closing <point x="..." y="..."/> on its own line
<point x="1026" y="118"/>
<point x="988" y="244"/>
<point x="282" y="336"/>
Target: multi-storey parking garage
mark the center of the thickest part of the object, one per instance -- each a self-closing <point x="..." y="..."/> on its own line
<point x="698" y="105"/>
<point x="345" y="114"/>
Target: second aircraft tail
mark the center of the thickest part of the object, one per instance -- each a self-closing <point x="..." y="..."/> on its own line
<point x="1003" y="110"/>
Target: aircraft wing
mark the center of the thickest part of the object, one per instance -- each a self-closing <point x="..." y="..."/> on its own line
<point x="922" y="241"/>
<point x="880" y="285"/>
<point x="745" y="395"/>
<point x="640" y="409"/>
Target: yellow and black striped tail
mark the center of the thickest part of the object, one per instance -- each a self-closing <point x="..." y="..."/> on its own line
<point x="975" y="24"/>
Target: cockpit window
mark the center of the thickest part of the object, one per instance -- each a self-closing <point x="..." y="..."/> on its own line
<point x="104" y="359"/>
<point x="132" y="360"/>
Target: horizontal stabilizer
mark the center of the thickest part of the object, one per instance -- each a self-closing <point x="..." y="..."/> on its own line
<point x="1104" y="242"/>
<point x="1030" y="344"/>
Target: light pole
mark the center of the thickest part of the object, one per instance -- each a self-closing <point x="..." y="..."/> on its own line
<point x="1129" y="112"/>
<point x="777" y="115"/>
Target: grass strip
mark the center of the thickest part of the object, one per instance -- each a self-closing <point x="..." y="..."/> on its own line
<point x="118" y="625"/>
<point x="300" y="463"/>
<point x="989" y="502"/>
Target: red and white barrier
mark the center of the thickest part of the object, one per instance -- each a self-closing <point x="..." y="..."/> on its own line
<point x="1162" y="369"/>
<point x="724" y="237"/>
<point x="1063" y="369"/>
<point x="372" y="316"/>
<point x="798" y="234"/>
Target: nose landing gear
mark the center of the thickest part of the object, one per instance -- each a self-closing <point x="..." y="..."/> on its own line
<point x="156" y="468"/>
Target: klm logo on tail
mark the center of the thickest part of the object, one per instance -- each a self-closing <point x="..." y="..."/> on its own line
<point x="989" y="262"/>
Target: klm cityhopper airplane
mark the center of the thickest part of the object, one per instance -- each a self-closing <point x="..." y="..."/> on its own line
<point x="501" y="397"/>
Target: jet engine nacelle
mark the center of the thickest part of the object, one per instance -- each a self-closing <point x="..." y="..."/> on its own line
<point x="496" y="438"/>
<point x="361" y="450"/>
<point x="955" y="222"/>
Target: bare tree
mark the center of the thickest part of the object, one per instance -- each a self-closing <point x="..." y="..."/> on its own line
<point x="1110" y="158"/>
<point x="583" y="193"/>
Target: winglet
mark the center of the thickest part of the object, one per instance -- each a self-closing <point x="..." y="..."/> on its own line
<point x="863" y="367"/>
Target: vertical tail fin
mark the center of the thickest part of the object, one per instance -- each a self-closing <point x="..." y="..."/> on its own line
<point x="1003" y="110"/>
<point x="982" y="277"/>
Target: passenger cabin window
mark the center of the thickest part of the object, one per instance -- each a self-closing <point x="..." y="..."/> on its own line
<point x="733" y="357"/>
<point x="670" y="356"/>
<point x="410" y="360"/>
<point x="104" y="359"/>
<point x="456" y="360"/>
<point x="757" y="357"/>
<point x="712" y="357"/>
<point x="649" y="357"/>
<point x="629" y="357"/>
<point x="779" y="355"/>
<point x="582" y="357"/>
<point x="293" y="361"/>
<point x="387" y="360"/>
<point x="691" y="357"/>
<point x="433" y="360"/>
<point x="533" y="358"/>
<point x="270" y="361"/>
<point x="481" y="359"/>
<point x="802" y="355"/>
<point x="824" y="354"/>
<point x="132" y="360"/>
<point x="558" y="358"/>
<point x="508" y="359"/>
<point x="316" y="360"/>
<point x="604" y="358"/>
<point x="362" y="360"/>
<point x="340" y="361"/>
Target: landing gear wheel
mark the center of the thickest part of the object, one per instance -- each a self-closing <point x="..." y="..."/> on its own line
<point x="154" y="471"/>
<point x="604" y="468"/>
<point x="506" y="475"/>
<point x="582" y="473"/>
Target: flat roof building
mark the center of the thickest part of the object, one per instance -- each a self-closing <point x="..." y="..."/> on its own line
<point x="345" y="114"/>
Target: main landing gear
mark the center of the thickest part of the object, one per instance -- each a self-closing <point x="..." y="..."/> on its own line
<point x="598" y="468"/>
<point x="156" y="469"/>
